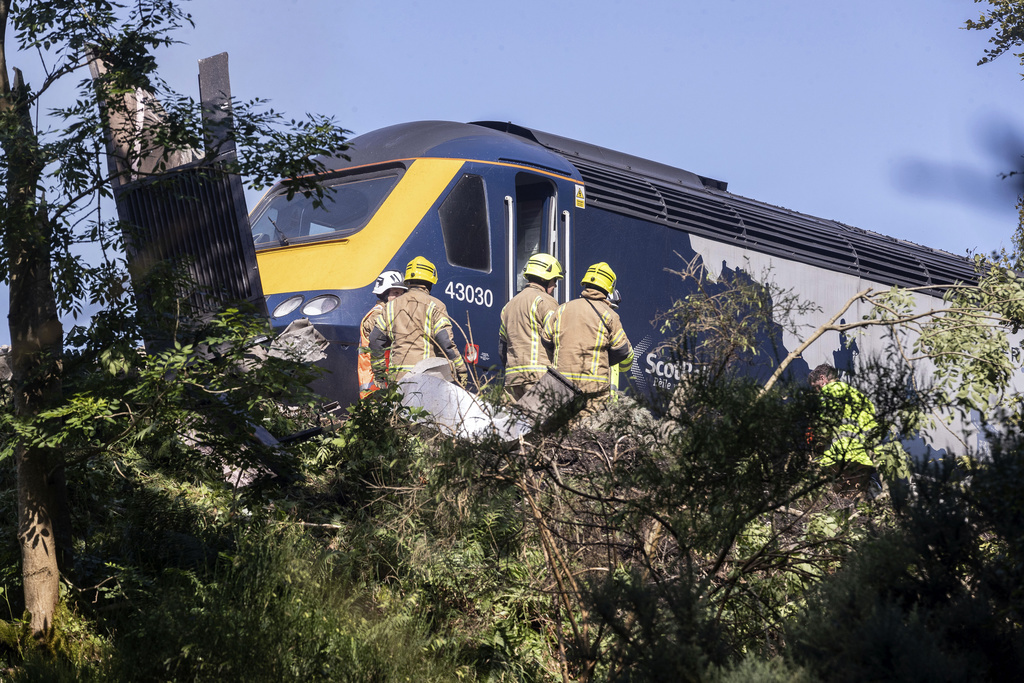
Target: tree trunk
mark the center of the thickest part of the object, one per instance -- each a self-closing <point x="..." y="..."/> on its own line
<point x="36" y="346"/>
<point x="43" y="525"/>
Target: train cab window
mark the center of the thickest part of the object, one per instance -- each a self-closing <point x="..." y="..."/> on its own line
<point x="345" y="211"/>
<point x="263" y="230"/>
<point x="464" y="225"/>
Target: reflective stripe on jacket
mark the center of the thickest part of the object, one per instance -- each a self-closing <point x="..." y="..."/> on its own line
<point x="847" y="423"/>
<point x="522" y="332"/>
<point x="415" y="326"/>
<point x="588" y="339"/>
<point x="364" y="366"/>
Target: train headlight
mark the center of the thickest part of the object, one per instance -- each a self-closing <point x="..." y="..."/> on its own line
<point x="287" y="306"/>
<point x="320" y="305"/>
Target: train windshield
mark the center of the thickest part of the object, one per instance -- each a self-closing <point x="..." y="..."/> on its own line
<point x="345" y="211"/>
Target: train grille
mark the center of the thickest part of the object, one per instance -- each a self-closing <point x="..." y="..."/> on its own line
<point x="772" y="230"/>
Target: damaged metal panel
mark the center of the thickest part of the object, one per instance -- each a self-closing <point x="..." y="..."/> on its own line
<point x="196" y="218"/>
<point x="184" y="208"/>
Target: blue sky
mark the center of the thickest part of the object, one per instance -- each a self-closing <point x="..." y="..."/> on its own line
<point x="871" y="113"/>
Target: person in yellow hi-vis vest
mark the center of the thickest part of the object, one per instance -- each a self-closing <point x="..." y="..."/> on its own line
<point x="389" y="286"/>
<point x="415" y="326"/>
<point x="524" y="351"/>
<point x="845" y="431"/>
<point x="588" y="337"/>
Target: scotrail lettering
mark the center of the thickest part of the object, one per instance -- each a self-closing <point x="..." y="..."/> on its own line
<point x="666" y="372"/>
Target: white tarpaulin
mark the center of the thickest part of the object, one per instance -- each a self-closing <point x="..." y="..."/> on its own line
<point x="454" y="410"/>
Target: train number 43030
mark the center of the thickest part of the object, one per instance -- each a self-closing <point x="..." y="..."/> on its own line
<point x="470" y="294"/>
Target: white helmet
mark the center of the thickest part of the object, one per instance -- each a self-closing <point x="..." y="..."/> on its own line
<point x="389" y="279"/>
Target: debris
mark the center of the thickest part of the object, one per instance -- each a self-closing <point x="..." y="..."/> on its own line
<point x="300" y="341"/>
<point x="453" y="410"/>
<point x="5" y="363"/>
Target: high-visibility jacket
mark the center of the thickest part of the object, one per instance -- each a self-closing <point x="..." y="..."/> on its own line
<point x="524" y="351"/>
<point x="588" y="340"/>
<point x="846" y="424"/>
<point x="415" y="326"/>
<point x="364" y="367"/>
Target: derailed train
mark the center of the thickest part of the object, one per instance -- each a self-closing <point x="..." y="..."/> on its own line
<point x="478" y="199"/>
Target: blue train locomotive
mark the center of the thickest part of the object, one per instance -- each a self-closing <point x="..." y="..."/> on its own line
<point x="479" y="199"/>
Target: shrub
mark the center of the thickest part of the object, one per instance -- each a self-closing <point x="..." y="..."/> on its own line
<point x="272" y="611"/>
<point x="938" y="597"/>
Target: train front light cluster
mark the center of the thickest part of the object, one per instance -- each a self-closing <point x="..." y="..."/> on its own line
<point x="325" y="303"/>
<point x="318" y="305"/>
<point x="287" y="306"/>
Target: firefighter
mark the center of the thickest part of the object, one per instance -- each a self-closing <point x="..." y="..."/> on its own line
<point x="388" y="286"/>
<point x="524" y="351"/>
<point x="587" y="335"/>
<point x="844" y="431"/>
<point x="415" y="326"/>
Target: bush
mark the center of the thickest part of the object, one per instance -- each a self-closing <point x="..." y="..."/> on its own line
<point x="272" y="611"/>
<point x="938" y="597"/>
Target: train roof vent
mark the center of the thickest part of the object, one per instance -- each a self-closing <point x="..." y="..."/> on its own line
<point x="713" y="184"/>
<point x="701" y="213"/>
<point x="881" y="257"/>
<point x="794" y="236"/>
<point x="945" y="270"/>
<point x="939" y="267"/>
<point x="621" y="192"/>
<point x="624" y="185"/>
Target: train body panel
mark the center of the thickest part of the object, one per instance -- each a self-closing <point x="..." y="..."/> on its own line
<point x="831" y="291"/>
<point x="479" y="199"/>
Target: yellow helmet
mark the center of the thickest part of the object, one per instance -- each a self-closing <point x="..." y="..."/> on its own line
<point x="543" y="267"/>
<point x="600" y="275"/>
<point x="421" y="269"/>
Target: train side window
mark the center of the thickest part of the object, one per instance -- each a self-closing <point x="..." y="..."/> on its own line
<point x="464" y="225"/>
